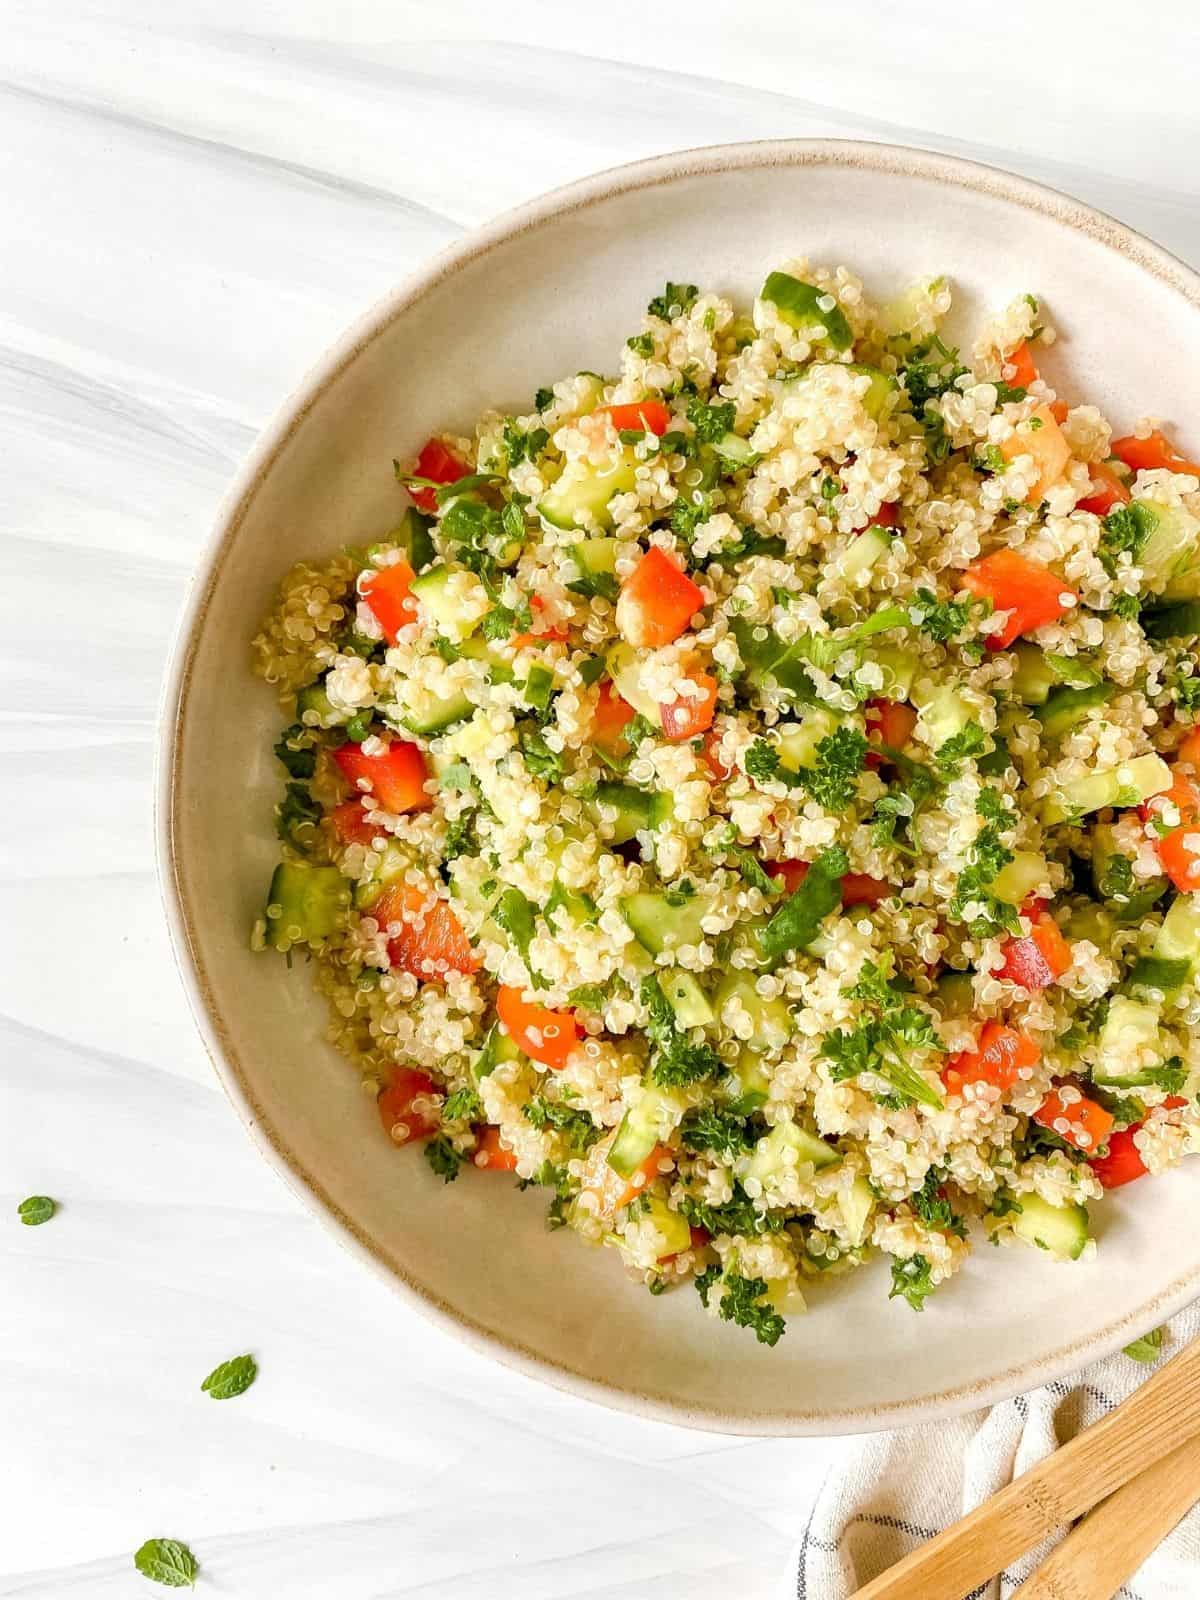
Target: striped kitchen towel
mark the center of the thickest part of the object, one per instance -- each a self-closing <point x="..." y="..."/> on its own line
<point x="898" y="1489"/>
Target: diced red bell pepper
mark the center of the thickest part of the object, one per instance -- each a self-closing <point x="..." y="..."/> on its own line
<point x="791" y="874"/>
<point x="440" y="464"/>
<point x="1037" y="959"/>
<point x="888" y="515"/>
<point x="490" y="1154"/>
<point x="1179" y="850"/>
<point x="430" y="940"/>
<point x="549" y="632"/>
<point x="410" y="1106"/>
<point x="651" y="416"/>
<point x="858" y="888"/>
<point x="1031" y="594"/>
<point x="687" y="716"/>
<point x="546" y="1036"/>
<point x="1059" y="410"/>
<point x="889" y="722"/>
<point x="1025" y="370"/>
<point x="644" y="1175"/>
<point x="1083" y="1122"/>
<point x="1123" y="1162"/>
<point x="396" y="778"/>
<point x="609" y="721"/>
<point x="1144" y="455"/>
<point x="999" y="1057"/>
<point x="712" y="741"/>
<point x="350" y="823"/>
<point x="1107" y="490"/>
<point x="387" y="594"/>
<point x="657" y="601"/>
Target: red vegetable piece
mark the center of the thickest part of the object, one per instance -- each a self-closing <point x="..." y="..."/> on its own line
<point x="544" y="1035"/>
<point x="998" y="1058"/>
<point x="396" y="777"/>
<point x="1031" y="594"/>
<point x="430" y="940"/>
<point x="651" y="416"/>
<point x="440" y="464"/>
<point x="410" y="1106"/>
<point x="1144" y="455"/>
<point x="687" y="717"/>
<point x="1123" y="1163"/>
<point x="657" y="602"/>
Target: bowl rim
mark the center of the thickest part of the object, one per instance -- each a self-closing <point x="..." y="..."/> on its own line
<point x="898" y="160"/>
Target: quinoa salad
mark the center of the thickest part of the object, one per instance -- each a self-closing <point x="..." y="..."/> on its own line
<point x="753" y="798"/>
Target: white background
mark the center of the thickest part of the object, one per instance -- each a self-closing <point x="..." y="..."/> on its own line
<point x="196" y="198"/>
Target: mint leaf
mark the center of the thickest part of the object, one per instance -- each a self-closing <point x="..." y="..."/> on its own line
<point x="37" y="1209"/>
<point x="231" y="1378"/>
<point x="168" y="1562"/>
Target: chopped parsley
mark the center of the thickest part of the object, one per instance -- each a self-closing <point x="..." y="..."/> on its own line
<point x="735" y="1215"/>
<point x="443" y="1158"/>
<point x="912" y="1280"/>
<point x="711" y="422"/>
<point x="540" y="760"/>
<point x="576" y="1127"/>
<point x="742" y="1303"/>
<point x="833" y="777"/>
<point x="521" y="446"/>
<point x="942" y="620"/>
<point x="966" y="745"/>
<point x="675" y="299"/>
<point x="675" y="1060"/>
<point x="642" y="344"/>
<point x="893" y="1029"/>
<point x="298" y="762"/>
<point x="1125" y="531"/>
<point x="464" y="1105"/>
<point x="715" y="1128"/>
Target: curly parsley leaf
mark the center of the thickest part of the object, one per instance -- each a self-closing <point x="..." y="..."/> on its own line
<point x="968" y="744"/>
<point x="464" y="1105"/>
<point x="742" y="1303"/>
<point x="892" y="1030"/>
<point x="718" y="1129"/>
<point x="443" y="1158"/>
<point x="833" y="777"/>
<point x="575" y="1126"/>
<point x="540" y="760"/>
<point x="1125" y="531"/>
<point x="912" y="1281"/>
<point x="706" y="1280"/>
<point x="736" y="1215"/>
<point x="942" y="620"/>
<point x="711" y="422"/>
<point x="298" y="763"/>
<point x="231" y="1378"/>
<point x="675" y="1060"/>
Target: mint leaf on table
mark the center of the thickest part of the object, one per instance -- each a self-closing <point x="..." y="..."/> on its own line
<point x="37" y="1209"/>
<point x="168" y="1562"/>
<point x="1148" y="1348"/>
<point x="231" y="1378"/>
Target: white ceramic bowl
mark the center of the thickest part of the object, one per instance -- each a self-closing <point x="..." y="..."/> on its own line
<point x="547" y="290"/>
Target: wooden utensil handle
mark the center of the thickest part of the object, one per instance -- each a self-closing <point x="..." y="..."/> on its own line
<point x="1112" y="1541"/>
<point x="1162" y="1414"/>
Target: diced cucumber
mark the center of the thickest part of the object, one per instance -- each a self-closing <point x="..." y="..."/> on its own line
<point x="954" y="994"/>
<point x="1020" y="877"/>
<point x="414" y="538"/>
<point x="394" y="860"/>
<point x="899" y="669"/>
<point x="770" y="1162"/>
<point x="580" y="497"/>
<point x="686" y="998"/>
<point x="909" y="309"/>
<point x="581" y="908"/>
<point x="654" y="1115"/>
<point x="1178" y="938"/>
<point x="1156" y="976"/>
<point x="1172" y="622"/>
<point x="432" y="589"/>
<point x="664" y="922"/>
<point x="1141" y="899"/>
<point x="304" y="904"/>
<point x="497" y="1048"/>
<point x="750" y="1084"/>
<point x="1061" y="1230"/>
<point x="1126" y="785"/>
<point x="625" y="669"/>
<point x="944" y="713"/>
<point x="636" y="810"/>
<point x="1091" y="922"/>
<point x="860" y="555"/>
<point x="760" y="648"/>
<point x="479" y="649"/>
<point x="315" y="709"/>
<point x="1170" y="558"/>
<point x="798" y="741"/>
<point x="1034" y="677"/>
<point x="596" y="558"/>
<point x="1129" y="1042"/>
<point x="735" y="451"/>
<point x="857" y="1203"/>
<point x="1075" y="671"/>
<point x="671" y="1226"/>
<point x="440" y="714"/>
<point x="1067" y="708"/>
<point x="773" y="1025"/>
<point x="797" y="305"/>
<point x="589" y="391"/>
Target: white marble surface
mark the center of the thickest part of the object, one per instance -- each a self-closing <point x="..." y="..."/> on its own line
<point x="198" y="194"/>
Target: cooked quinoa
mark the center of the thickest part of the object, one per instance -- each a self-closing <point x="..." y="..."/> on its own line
<point x="751" y="798"/>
